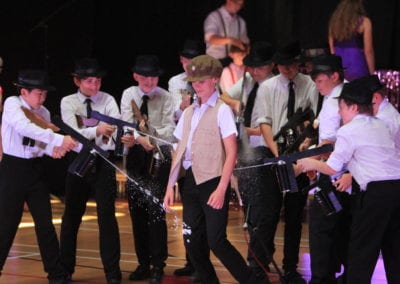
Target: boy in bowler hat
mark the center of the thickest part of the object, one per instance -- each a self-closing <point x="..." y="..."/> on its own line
<point x="328" y="234"/>
<point x="100" y="181"/>
<point x="366" y="146"/>
<point x="259" y="66"/>
<point x="180" y="90"/>
<point x="277" y="101"/>
<point x="27" y="137"/>
<point x="149" y="165"/>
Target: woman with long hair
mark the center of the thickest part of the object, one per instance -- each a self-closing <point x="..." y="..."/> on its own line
<point x="350" y="36"/>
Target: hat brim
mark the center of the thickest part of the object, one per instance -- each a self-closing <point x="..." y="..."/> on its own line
<point x="196" y="78"/>
<point x="98" y="74"/>
<point x="189" y="55"/>
<point x="251" y="63"/>
<point x="148" y="73"/>
<point x="280" y="60"/>
<point x="40" y="87"/>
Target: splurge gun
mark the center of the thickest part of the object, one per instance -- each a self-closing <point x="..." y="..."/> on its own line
<point x="120" y="124"/>
<point x="284" y="167"/>
<point x="87" y="156"/>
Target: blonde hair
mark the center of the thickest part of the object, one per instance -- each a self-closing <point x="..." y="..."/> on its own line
<point x="345" y="19"/>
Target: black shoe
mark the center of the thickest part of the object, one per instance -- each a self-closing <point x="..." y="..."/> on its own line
<point x="195" y="278"/>
<point x="141" y="273"/>
<point x="156" y="275"/>
<point x="293" y="277"/>
<point x="114" y="281"/>
<point x="187" y="270"/>
<point x="61" y="280"/>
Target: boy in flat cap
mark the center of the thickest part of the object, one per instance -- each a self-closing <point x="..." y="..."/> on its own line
<point x="366" y="146"/>
<point x="149" y="164"/>
<point x="22" y="171"/>
<point x="207" y="150"/>
<point x="100" y="182"/>
<point x="182" y="91"/>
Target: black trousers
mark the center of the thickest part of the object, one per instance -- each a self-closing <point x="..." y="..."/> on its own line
<point x="375" y="227"/>
<point x="203" y="222"/>
<point x="294" y="204"/>
<point x="329" y="236"/>
<point x="102" y="185"/>
<point x="262" y="206"/>
<point x="145" y="197"/>
<point x="265" y="209"/>
<point x="22" y="180"/>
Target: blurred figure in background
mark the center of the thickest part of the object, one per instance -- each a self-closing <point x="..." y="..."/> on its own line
<point x="350" y="36"/>
<point x="223" y="27"/>
<point x="235" y="70"/>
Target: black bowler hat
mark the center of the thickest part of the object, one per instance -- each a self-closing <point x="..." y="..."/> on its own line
<point x="147" y="65"/>
<point x="357" y="92"/>
<point x="287" y="54"/>
<point x="371" y="82"/>
<point x="88" y="67"/>
<point x="326" y="63"/>
<point x="193" y="48"/>
<point x="33" y="79"/>
<point x="260" y="54"/>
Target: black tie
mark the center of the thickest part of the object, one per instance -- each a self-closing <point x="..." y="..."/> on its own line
<point x="290" y="110"/>
<point x="88" y="103"/>
<point x="143" y="108"/>
<point x="250" y="105"/>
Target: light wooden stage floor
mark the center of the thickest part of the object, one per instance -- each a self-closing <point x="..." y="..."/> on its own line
<point x="24" y="266"/>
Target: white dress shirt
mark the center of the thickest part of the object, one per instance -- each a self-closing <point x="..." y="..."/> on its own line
<point x="74" y="105"/>
<point x="366" y="146"/>
<point x="160" y="107"/>
<point x="15" y="126"/>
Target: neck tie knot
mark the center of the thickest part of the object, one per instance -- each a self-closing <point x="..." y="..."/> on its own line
<point x="88" y="103"/>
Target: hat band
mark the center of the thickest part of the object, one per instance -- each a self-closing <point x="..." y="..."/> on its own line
<point x="87" y="71"/>
<point x="32" y="82"/>
<point x="323" y="68"/>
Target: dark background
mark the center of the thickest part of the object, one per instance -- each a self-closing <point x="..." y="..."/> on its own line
<point x="55" y="33"/>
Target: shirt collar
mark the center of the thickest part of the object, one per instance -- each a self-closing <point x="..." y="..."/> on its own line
<point x="83" y="98"/>
<point x="150" y="94"/>
<point x="212" y="100"/>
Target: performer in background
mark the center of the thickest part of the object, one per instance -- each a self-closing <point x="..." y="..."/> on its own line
<point x="224" y="27"/>
<point x="259" y="66"/>
<point x="100" y="181"/>
<point x="328" y="234"/>
<point x="153" y="108"/>
<point x="277" y="102"/>
<point x="366" y="146"/>
<point x="22" y="172"/>
<point x="350" y="36"/>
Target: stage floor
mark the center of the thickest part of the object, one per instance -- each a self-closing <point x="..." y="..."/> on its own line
<point x="24" y="265"/>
